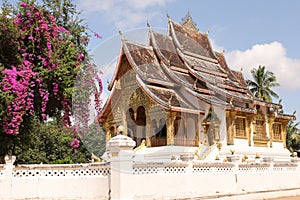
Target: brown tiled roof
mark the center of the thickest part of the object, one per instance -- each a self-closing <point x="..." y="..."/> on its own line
<point x="181" y="64"/>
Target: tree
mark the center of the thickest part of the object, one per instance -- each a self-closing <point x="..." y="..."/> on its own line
<point x="293" y="136"/>
<point x="48" y="143"/>
<point x="43" y="49"/>
<point x="262" y="83"/>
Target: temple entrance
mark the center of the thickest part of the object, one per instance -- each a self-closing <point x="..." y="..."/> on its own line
<point x="159" y="133"/>
<point x="136" y="124"/>
<point x="211" y="126"/>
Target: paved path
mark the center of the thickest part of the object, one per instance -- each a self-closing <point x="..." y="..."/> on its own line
<point x="287" y="198"/>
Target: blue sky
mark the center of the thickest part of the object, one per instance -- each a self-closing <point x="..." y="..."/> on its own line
<point x="252" y="32"/>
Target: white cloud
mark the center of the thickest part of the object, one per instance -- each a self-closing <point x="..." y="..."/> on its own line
<point x="142" y="4"/>
<point x="273" y="56"/>
<point x="215" y="46"/>
<point x="124" y="14"/>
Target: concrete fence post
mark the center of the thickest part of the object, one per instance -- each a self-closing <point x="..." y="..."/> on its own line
<point x="6" y="187"/>
<point x="121" y="163"/>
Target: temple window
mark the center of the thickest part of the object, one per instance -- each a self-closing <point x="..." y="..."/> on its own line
<point x="159" y="133"/>
<point x="179" y="131"/>
<point x="131" y="126"/>
<point x="141" y="116"/>
<point x="191" y="132"/>
<point x="240" y="127"/>
<point x="277" y="131"/>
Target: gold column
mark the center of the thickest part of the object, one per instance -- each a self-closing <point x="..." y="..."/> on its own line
<point x="271" y="134"/>
<point x="230" y="115"/>
<point x="197" y="136"/>
<point x="108" y="134"/>
<point x="249" y="120"/>
<point x="170" y="127"/>
<point x="283" y="133"/>
<point x="124" y="122"/>
<point x="148" y="129"/>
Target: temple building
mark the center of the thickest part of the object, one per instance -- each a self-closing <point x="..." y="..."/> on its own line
<point x="176" y="94"/>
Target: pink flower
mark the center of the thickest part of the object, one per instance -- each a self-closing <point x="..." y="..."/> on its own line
<point x="97" y="35"/>
<point x="80" y="56"/>
<point x="30" y="37"/>
<point x="23" y="4"/>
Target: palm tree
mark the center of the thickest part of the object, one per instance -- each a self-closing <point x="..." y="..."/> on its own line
<point x="262" y="83"/>
<point x="293" y="136"/>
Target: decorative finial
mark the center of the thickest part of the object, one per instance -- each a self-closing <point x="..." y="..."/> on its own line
<point x="195" y="84"/>
<point x="241" y="70"/>
<point x="207" y="32"/>
<point x="294" y="113"/>
<point x="230" y="102"/>
<point x="170" y="99"/>
<point x="121" y="34"/>
<point x="223" y="52"/>
<point x="168" y="16"/>
<point x="279" y="102"/>
<point x="150" y="28"/>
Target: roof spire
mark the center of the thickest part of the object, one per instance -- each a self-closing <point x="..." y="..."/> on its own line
<point x="188" y="23"/>
<point x="150" y="28"/>
<point x="122" y="36"/>
<point x="169" y="18"/>
<point x="207" y="32"/>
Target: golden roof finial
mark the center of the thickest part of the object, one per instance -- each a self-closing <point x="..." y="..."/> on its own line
<point x="195" y="84"/>
<point x="241" y="70"/>
<point x="169" y="18"/>
<point x="223" y="52"/>
<point x="122" y="36"/>
<point x="207" y="32"/>
<point x="230" y="102"/>
<point x="279" y="102"/>
<point x="170" y="99"/>
<point x="150" y="28"/>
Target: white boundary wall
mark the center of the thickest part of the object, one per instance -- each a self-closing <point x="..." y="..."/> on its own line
<point x="121" y="178"/>
<point x="79" y="181"/>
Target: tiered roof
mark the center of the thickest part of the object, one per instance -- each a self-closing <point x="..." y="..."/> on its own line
<point x="179" y="70"/>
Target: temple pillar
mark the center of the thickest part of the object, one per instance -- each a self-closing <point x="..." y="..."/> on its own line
<point x="148" y="129"/>
<point x="124" y="122"/>
<point x="170" y="127"/>
<point x="271" y="120"/>
<point x="230" y="115"/>
<point x="107" y="131"/>
<point x="197" y="128"/>
<point x="283" y="133"/>
<point x="249" y="128"/>
<point x="205" y="128"/>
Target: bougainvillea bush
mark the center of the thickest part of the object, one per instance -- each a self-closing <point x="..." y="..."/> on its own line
<point x="43" y="49"/>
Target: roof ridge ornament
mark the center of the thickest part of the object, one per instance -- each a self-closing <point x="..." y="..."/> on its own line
<point x="168" y="16"/>
<point x="207" y="32"/>
<point x="149" y="26"/>
<point x="188" y="19"/>
<point x="122" y="36"/>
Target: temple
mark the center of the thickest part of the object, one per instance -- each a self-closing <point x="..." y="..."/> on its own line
<point x="175" y="94"/>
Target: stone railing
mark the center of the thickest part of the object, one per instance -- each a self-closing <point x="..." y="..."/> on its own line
<point x="154" y="168"/>
<point x="73" y="170"/>
<point x="178" y="167"/>
<point x="213" y="167"/>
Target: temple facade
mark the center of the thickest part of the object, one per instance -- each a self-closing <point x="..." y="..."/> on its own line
<point x="177" y="91"/>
